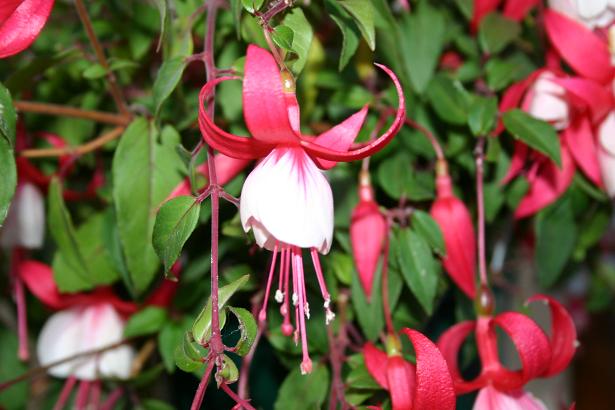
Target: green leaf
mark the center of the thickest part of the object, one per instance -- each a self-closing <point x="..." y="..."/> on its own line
<point x="302" y="37"/>
<point x="94" y="72"/>
<point x="536" y="133"/>
<point x="153" y="404"/>
<point x="496" y="32"/>
<point x="73" y="273"/>
<point x="466" y="7"/>
<point x="425" y="226"/>
<point x="252" y="5"/>
<point x="395" y="175"/>
<point x="363" y="13"/>
<point x="350" y="32"/>
<point x="16" y="396"/>
<point x="229" y="372"/>
<point x="201" y="329"/>
<point x="169" y="338"/>
<point x="248" y="328"/>
<point x="501" y="72"/>
<point x="282" y="36"/>
<point x="8" y="171"/>
<point x="304" y="392"/>
<point x="188" y="355"/>
<point x="146" y="321"/>
<point x="418" y="267"/>
<point x="167" y="79"/>
<point x="423" y="38"/>
<point x="175" y="222"/>
<point x="165" y="21"/>
<point x="8" y="118"/>
<point x="447" y="100"/>
<point x="556" y="235"/>
<point x="482" y="115"/>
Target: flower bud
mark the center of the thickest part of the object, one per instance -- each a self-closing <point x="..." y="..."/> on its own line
<point x="25" y="223"/>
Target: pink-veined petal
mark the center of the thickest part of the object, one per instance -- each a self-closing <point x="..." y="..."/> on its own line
<point x="518" y="9"/>
<point x="579" y="137"/>
<point x="324" y="153"/>
<point x="401" y="379"/>
<point x="368" y="232"/>
<point x="532" y="346"/>
<point x="547" y="185"/>
<point x="434" y="386"/>
<point x="340" y="137"/>
<point x="232" y="145"/>
<point x="60" y="338"/>
<point x="265" y="106"/>
<point x="286" y="198"/>
<point x="584" y="51"/>
<point x="481" y="9"/>
<point x="588" y="93"/>
<point x="38" y="277"/>
<point x="563" y="335"/>
<point x="489" y="398"/>
<point x="19" y="29"/>
<point x="376" y="363"/>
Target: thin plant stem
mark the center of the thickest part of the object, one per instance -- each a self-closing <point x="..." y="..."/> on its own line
<point x="482" y="259"/>
<point x="114" y="89"/>
<point x="432" y="138"/>
<point x="65" y="393"/>
<point x="200" y="391"/>
<point x="241" y="403"/>
<point x="64" y="111"/>
<point x="112" y="399"/>
<point x="78" y="150"/>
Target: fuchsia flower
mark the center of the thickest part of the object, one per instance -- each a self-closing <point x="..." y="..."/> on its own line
<point x="286" y="200"/>
<point x="368" y="234"/>
<point x="20" y="23"/>
<point x="541" y="356"/>
<point x="428" y="385"/>
<point x="590" y="13"/>
<point x="455" y="222"/>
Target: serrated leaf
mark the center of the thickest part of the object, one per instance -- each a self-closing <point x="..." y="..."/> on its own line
<point x="302" y="37"/>
<point x="248" y="328"/>
<point x="536" y="133"/>
<point x="167" y="79"/>
<point x="282" y="36"/>
<point x="8" y="118"/>
<point x="447" y="100"/>
<point x="175" y="222"/>
<point x="201" y="328"/>
<point x="8" y="171"/>
<point x="418" y="267"/>
<point x="363" y="13"/>
<point x="482" y="115"/>
<point x="496" y="32"/>
<point x="304" y="392"/>
<point x="429" y="229"/>
<point x="146" y="321"/>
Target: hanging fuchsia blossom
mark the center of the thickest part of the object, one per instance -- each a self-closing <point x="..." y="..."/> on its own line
<point x="286" y="200"/>
<point x="541" y="356"/>
<point x="20" y="23"/>
<point x="368" y="234"/>
<point x="428" y="385"/>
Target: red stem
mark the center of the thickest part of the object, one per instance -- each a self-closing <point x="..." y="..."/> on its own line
<point x="432" y="138"/>
<point x="200" y="391"/>
<point x="385" y="285"/>
<point x="482" y="259"/>
<point x="240" y="402"/>
<point x="81" y="401"/>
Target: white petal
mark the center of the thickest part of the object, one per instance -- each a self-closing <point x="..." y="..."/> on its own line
<point x="606" y="133"/>
<point x="491" y="399"/>
<point x="25" y="224"/>
<point x="60" y="338"/>
<point x="287" y="198"/>
<point x="548" y="103"/>
<point x="589" y="9"/>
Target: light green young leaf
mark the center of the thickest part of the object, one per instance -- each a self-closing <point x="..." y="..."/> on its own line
<point x="167" y="79"/>
<point x="302" y="37"/>
<point x="282" y="36"/>
<point x="248" y="328"/>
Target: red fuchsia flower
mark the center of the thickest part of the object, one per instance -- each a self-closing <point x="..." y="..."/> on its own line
<point x="457" y="229"/>
<point x="286" y="200"/>
<point x="590" y="13"/>
<point x="541" y="356"/>
<point x="368" y="234"/>
<point x="21" y="21"/>
<point x="513" y="9"/>
<point x="428" y="385"/>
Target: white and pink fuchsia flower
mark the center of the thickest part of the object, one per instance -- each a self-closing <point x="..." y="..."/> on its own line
<point x="286" y="200"/>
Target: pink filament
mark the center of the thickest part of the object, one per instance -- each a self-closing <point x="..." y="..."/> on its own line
<point x="65" y="393"/>
<point x="81" y="400"/>
<point x="262" y="316"/>
<point x="22" y="324"/>
<point x="306" y="364"/>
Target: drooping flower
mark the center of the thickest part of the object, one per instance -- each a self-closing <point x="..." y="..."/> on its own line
<point x="20" y="23"/>
<point x="540" y="356"/>
<point x="590" y="13"/>
<point x="286" y="201"/>
<point x="457" y="229"/>
<point x="368" y="234"/>
<point x="426" y="385"/>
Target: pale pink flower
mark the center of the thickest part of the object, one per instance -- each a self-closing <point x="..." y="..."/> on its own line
<point x="24" y="225"/>
<point x="546" y="100"/>
<point x="489" y="398"/>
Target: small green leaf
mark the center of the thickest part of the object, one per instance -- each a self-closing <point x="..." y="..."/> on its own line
<point x="167" y="79"/>
<point x="418" y="267"/>
<point x="153" y="404"/>
<point x="252" y="6"/>
<point x="175" y="222"/>
<point x="304" y="392"/>
<point x="425" y="226"/>
<point x="95" y="71"/>
<point x="248" y="327"/>
<point x="350" y="32"/>
<point x="538" y="134"/>
<point x="302" y="37"/>
<point x="169" y="338"/>
<point x="188" y="355"/>
<point x="201" y="328"/>
<point x="146" y="321"/>
<point x="496" y="32"/>
<point x="8" y="118"/>
<point x="8" y="171"/>
<point x="363" y="13"/>
<point x="282" y="36"/>
<point x="482" y="115"/>
<point x="16" y="396"/>
<point x="229" y="372"/>
<point x="501" y="72"/>
<point x="447" y="100"/>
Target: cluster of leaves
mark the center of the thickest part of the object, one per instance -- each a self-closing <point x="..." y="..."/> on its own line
<point x="127" y="238"/>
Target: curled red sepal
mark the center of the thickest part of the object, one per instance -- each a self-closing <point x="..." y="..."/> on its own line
<point x="20" y="23"/>
<point x="434" y="386"/>
<point x="563" y="335"/>
<point x="582" y="49"/>
<point x="376" y="363"/>
<point x="455" y="222"/>
<point x="449" y="344"/>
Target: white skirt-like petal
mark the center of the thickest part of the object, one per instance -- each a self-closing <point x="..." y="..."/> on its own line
<point x="287" y="199"/>
<point x="606" y="152"/>
<point x="25" y="223"/>
<point x="77" y="330"/>
<point x="548" y="101"/>
<point x="491" y="399"/>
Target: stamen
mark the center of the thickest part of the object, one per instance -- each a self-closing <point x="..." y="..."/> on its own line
<point x="329" y="315"/>
<point x="262" y="316"/>
<point x="306" y="363"/>
<point x="94" y="402"/>
<point x="81" y="400"/>
<point x="279" y="295"/>
<point x="65" y="393"/>
<point x="22" y="324"/>
<point x="287" y="327"/>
